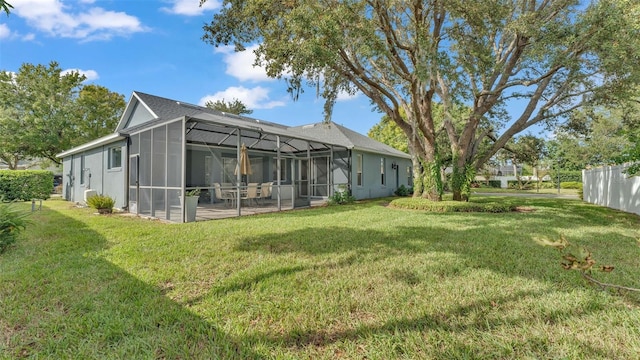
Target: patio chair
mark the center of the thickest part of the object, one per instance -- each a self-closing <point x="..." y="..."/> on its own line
<point x="226" y="196"/>
<point x="265" y="191"/>
<point x="252" y="193"/>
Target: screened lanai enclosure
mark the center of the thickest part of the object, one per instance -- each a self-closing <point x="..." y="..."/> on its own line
<point x="238" y="167"/>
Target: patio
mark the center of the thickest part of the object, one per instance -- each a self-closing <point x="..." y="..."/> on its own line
<point x="219" y="210"/>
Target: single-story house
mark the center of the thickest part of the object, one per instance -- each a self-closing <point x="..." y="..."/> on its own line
<point x="163" y="148"/>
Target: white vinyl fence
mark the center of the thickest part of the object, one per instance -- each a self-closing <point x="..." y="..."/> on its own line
<point x="609" y="186"/>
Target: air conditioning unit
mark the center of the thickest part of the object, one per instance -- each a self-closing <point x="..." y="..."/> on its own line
<point x="89" y="193"/>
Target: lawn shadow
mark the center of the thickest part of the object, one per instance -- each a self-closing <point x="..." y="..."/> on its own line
<point x="475" y="316"/>
<point x="480" y="242"/>
<point x="66" y="301"/>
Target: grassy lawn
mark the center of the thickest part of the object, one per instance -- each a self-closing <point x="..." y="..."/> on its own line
<point x="357" y="281"/>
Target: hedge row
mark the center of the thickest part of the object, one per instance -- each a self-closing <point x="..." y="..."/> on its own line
<point x="492" y="184"/>
<point x="566" y="176"/>
<point x="450" y="206"/>
<point x="25" y="185"/>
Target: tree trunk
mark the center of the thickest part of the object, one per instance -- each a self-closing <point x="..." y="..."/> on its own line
<point x="461" y="178"/>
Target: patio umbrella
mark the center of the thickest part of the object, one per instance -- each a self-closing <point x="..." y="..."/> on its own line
<point x="245" y="164"/>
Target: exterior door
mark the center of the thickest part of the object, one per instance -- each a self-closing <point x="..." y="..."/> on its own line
<point x="134" y="183"/>
<point x="320" y="176"/>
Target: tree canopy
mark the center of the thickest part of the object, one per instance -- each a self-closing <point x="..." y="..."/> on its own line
<point x="44" y="112"/>
<point x="232" y="107"/>
<point x="549" y="57"/>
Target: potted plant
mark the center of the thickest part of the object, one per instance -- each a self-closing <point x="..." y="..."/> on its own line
<point x="191" y="204"/>
<point x="103" y="203"/>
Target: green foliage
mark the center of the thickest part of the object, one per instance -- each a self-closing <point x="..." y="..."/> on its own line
<point x="341" y="197"/>
<point x="12" y="221"/>
<point x="232" y="107"/>
<point x="570" y="185"/>
<point x="193" y="192"/>
<point x="481" y="56"/>
<point x="47" y="112"/>
<point x="26" y="185"/>
<point x="5" y="6"/>
<point x="388" y="132"/>
<point x="491" y="183"/>
<point x="403" y="191"/>
<point x="416" y="203"/>
<point x="565" y="176"/>
<point x="98" y="112"/>
<point x="101" y="202"/>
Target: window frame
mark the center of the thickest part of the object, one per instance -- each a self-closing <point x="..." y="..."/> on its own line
<point x="111" y="158"/>
<point x="359" y="172"/>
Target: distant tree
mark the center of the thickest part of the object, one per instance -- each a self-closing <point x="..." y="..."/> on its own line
<point x="527" y="150"/>
<point x="631" y="119"/>
<point x="47" y="112"/>
<point x="593" y="136"/>
<point x="11" y="150"/>
<point x="98" y="111"/>
<point x="387" y="132"/>
<point x="232" y="107"/>
<point x="550" y="56"/>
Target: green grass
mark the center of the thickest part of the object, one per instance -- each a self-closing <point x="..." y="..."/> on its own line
<point x="355" y="281"/>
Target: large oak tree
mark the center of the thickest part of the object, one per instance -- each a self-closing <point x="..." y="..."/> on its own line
<point x="543" y="58"/>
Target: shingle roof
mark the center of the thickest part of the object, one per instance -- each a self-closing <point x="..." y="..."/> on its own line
<point x="340" y="135"/>
<point x="167" y="109"/>
<point x="329" y="133"/>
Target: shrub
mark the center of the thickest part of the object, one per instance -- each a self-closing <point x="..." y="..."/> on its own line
<point x="341" y="197"/>
<point x="566" y="175"/>
<point x="12" y="221"/>
<point x="193" y="192"/>
<point x="403" y="191"/>
<point x="103" y="203"/>
<point x="450" y="206"/>
<point x="25" y="184"/>
<point x="570" y="185"/>
<point x="492" y="184"/>
<point x="513" y="184"/>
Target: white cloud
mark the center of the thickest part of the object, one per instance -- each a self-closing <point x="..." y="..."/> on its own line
<point x="240" y="64"/>
<point x="29" y="37"/>
<point x="90" y="74"/>
<point x="191" y="7"/>
<point x="93" y="23"/>
<point x="254" y="98"/>
<point x="345" y="96"/>
<point x="4" y="31"/>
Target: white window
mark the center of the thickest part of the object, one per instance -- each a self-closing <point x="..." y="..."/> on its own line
<point x="115" y="157"/>
<point x="382" y="165"/>
<point x="359" y="170"/>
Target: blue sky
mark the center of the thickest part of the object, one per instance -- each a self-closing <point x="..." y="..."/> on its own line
<point x="156" y="47"/>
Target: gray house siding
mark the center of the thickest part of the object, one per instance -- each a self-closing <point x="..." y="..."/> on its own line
<point x="90" y="170"/>
<point x="372" y="186"/>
